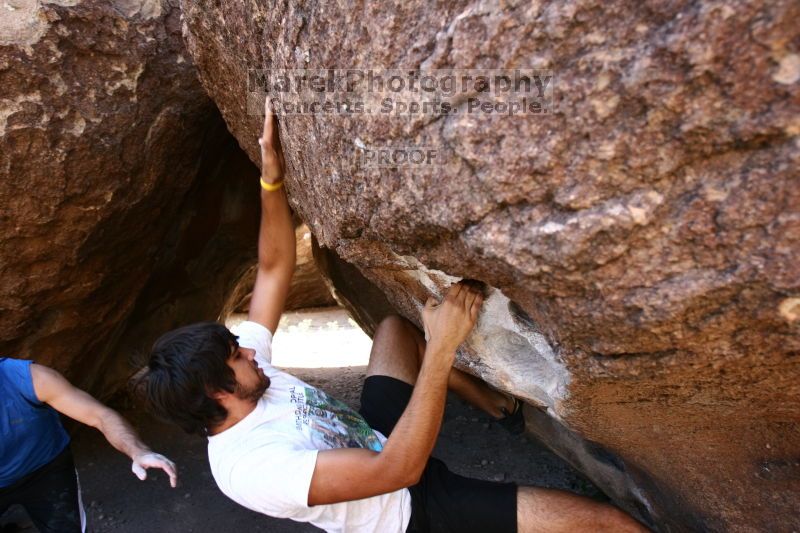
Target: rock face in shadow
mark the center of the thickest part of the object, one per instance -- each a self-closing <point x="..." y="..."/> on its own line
<point x="309" y="288"/>
<point x="640" y="241"/>
<point x="207" y="250"/>
<point x="108" y="145"/>
<point x="362" y="299"/>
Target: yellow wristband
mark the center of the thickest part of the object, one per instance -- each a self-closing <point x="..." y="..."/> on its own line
<point x="270" y="187"/>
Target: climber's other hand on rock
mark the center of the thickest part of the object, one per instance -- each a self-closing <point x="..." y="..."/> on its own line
<point x="447" y="324"/>
<point x="272" y="162"/>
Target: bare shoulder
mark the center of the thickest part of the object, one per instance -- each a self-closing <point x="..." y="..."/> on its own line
<point x="47" y="382"/>
<point x="44" y="372"/>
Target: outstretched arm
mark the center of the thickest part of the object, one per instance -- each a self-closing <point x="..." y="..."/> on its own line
<point x="53" y="389"/>
<point x="353" y="473"/>
<point x="276" y="239"/>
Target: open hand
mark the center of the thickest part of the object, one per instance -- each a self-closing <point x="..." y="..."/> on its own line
<point x="154" y="460"/>
<point x="447" y="324"/>
<point x="272" y="162"/>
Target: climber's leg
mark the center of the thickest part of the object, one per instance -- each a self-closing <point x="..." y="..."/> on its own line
<point x="397" y="351"/>
<point x="553" y="511"/>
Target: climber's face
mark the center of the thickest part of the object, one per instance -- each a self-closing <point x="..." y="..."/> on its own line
<point x="251" y="382"/>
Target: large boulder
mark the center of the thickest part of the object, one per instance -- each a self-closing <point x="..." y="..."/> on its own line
<point x="639" y="242"/>
<point x="120" y="186"/>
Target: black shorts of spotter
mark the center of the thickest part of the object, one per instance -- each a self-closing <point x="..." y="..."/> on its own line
<point x="50" y="495"/>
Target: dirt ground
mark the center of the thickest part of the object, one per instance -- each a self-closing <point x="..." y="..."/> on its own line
<point x="116" y="501"/>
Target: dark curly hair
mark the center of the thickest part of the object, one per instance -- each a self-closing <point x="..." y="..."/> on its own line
<point x="186" y="367"/>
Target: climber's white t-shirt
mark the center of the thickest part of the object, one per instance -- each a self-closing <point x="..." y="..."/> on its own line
<point x="265" y="461"/>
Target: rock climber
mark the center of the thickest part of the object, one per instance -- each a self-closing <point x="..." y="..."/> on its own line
<point x="281" y="447"/>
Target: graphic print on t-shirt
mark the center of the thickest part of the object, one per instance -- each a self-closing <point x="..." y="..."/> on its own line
<point x="332" y="424"/>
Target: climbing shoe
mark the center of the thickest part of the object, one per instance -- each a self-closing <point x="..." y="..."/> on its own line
<point x="514" y="421"/>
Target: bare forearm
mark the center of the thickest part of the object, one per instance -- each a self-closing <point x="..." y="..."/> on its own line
<point x="352" y="474"/>
<point x="121" y="435"/>
<point x="276" y="241"/>
<point x="413" y="438"/>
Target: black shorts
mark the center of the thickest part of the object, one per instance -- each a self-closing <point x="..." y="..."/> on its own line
<point x="442" y="501"/>
<point x="51" y="496"/>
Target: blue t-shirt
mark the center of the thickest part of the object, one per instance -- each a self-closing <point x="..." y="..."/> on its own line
<point x="31" y="434"/>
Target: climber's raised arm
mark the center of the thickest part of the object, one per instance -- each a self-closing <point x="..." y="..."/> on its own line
<point x="276" y="241"/>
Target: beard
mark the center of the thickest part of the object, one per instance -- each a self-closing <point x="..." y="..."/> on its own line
<point x="252" y="393"/>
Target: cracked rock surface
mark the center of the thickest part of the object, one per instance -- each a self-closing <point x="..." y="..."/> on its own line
<point x="640" y="241"/>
